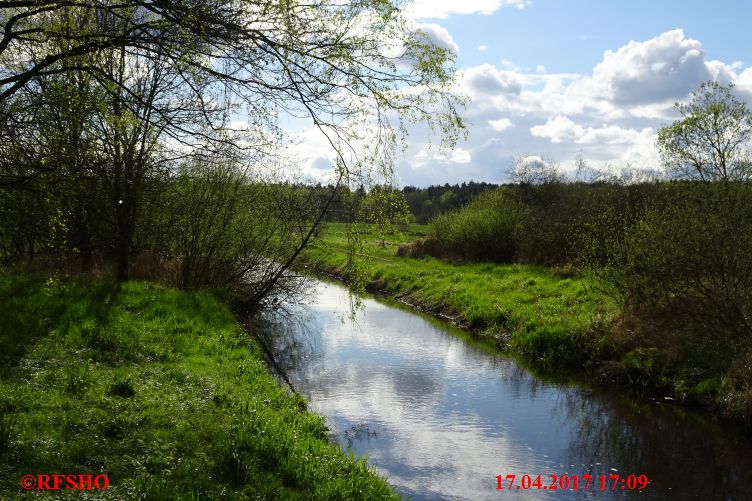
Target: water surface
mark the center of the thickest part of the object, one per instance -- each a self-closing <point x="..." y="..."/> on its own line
<point x="441" y="417"/>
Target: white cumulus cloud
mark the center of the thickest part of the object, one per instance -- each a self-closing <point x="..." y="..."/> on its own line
<point x="484" y="80"/>
<point x="609" y="114"/>
<point x="501" y="124"/>
<point x="558" y="129"/>
<point x="439" y="36"/>
<point x="441" y="9"/>
<point x="562" y="129"/>
<point x="661" y="68"/>
<point x="455" y="156"/>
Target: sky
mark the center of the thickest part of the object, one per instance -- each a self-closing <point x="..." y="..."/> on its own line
<point x="561" y="78"/>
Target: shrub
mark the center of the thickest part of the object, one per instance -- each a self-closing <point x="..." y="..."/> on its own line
<point x="687" y="255"/>
<point x="487" y="229"/>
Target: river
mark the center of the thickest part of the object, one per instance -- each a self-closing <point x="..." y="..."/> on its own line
<point x="441" y="416"/>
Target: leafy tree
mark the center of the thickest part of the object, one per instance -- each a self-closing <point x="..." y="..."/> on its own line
<point x="48" y="156"/>
<point x="200" y="79"/>
<point x="427" y="203"/>
<point x="346" y="66"/>
<point x="711" y="141"/>
<point x="385" y="209"/>
<point x="447" y="200"/>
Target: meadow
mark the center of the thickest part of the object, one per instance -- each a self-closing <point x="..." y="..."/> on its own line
<point x="161" y="390"/>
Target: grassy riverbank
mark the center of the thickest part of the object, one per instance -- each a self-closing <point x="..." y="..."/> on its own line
<point x="555" y="316"/>
<point x="548" y="314"/>
<point x="160" y="390"/>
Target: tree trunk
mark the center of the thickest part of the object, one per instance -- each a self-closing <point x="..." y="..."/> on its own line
<point x="87" y="257"/>
<point x="123" y="244"/>
<point x="122" y="256"/>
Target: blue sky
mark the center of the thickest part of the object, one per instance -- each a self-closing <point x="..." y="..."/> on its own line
<point x="571" y="35"/>
<point x="560" y="78"/>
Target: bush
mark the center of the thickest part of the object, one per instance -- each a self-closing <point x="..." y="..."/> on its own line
<point x="687" y="255"/>
<point x="487" y="229"/>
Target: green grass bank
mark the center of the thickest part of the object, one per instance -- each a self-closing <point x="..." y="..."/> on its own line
<point x="556" y="317"/>
<point x="162" y="391"/>
<point x="548" y="314"/>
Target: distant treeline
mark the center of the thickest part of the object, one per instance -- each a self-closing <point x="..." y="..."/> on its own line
<point x="427" y="203"/>
<point x="423" y="203"/>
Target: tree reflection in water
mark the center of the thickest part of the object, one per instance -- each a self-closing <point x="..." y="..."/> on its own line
<point x="683" y="457"/>
<point x="292" y="335"/>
